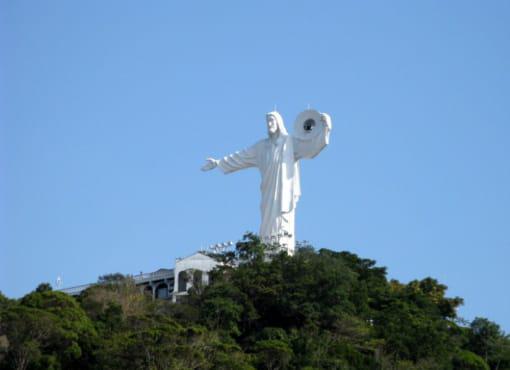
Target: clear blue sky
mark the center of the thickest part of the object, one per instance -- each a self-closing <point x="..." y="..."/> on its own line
<point x="108" y="108"/>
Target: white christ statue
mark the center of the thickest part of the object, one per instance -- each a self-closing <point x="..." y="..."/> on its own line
<point x="277" y="159"/>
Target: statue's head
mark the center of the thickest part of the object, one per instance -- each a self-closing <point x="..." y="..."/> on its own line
<point x="275" y="124"/>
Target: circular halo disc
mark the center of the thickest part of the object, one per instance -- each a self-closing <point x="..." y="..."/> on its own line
<point x="308" y="124"/>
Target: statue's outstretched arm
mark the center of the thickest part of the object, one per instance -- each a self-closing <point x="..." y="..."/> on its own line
<point x="210" y="163"/>
<point x="245" y="158"/>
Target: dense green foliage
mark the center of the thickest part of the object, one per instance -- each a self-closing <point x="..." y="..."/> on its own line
<point x="314" y="310"/>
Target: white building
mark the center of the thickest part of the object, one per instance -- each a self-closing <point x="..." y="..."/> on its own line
<point x="169" y="283"/>
<point x="188" y="269"/>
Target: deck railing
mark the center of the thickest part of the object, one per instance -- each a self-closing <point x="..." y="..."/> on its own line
<point x="138" y="279"/>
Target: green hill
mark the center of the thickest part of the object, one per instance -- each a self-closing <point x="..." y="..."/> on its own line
<point x="315" y="310"/>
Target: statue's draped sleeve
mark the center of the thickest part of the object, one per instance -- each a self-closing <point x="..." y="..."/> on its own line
<point x="239" y="160"/>
<point x="311" y="147"/>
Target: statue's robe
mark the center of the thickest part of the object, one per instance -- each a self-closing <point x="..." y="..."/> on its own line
<point x="277" y="160"/>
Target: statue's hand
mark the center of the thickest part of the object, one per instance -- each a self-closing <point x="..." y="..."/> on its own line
<point x="210" y="163"/>
<point x="326" y="119"/>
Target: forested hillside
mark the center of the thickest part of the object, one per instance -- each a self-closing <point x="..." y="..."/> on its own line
<point x="316" y="310"/>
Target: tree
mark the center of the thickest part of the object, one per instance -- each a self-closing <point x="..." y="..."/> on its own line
<point x="28" y="332"/>
<point x="112" y="278"/>
<point x="488" y="341"/>
<point x="44" y="287"/>
<point x="272" y="354"/>
<point x="466" y="360"/>
<point x="72" y="335"/>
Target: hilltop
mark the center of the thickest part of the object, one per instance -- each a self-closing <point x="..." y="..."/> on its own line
<point x="318" y="309"/>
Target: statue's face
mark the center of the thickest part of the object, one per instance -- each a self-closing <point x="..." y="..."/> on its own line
<point x="272" y="125"/>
